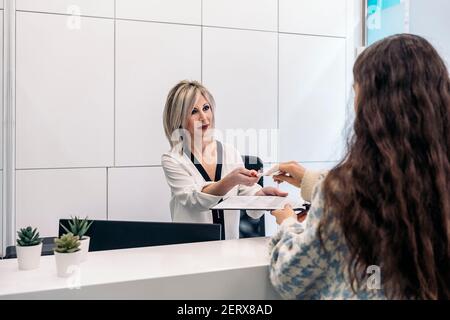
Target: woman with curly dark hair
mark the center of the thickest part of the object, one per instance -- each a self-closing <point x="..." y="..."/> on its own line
<point x="379" y="223"/>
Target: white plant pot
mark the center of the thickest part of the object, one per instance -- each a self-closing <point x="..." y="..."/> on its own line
<point x="67" y="263"/>
<point x="29" y="257"/>
<point x="84" y="247"/>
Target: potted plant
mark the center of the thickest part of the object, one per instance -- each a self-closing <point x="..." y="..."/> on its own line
<point x="67" y="254"/>
<point x="29" y="248"/>
<point x="79" y="227"/>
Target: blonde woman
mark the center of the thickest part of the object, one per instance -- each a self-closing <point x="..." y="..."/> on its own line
<point x="200" y="170"/>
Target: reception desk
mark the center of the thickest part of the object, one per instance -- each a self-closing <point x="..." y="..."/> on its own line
<point x="231" y="269"/>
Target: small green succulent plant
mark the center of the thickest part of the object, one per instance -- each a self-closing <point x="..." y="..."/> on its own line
<point x="78" y="227"/>
<point x="67" y="243"/>
<point x="28" y="237"/>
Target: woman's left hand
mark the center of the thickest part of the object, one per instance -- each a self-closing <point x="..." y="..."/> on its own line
<point x="271" y="191"/>
<point x="283" y="214"/>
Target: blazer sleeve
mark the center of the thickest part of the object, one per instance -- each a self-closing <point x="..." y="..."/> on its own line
<point x="184" y="187"/>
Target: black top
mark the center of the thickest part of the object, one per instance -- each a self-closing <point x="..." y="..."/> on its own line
<point x="217" y="215"/>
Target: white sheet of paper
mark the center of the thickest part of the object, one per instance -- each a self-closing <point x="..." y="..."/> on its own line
<point x="272" y="171"/>
<point x="256" y="203"/>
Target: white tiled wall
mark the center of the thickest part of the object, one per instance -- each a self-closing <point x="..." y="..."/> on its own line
<point x="150" y="59"/>
<point x="240" y="68"/>
<point x="45" y="196"/>
<point x="2" y="253"/>
<point x="137" y="194"/>
<point x="1" y="127"/>
<point x="1" y="88"/>
<point x="97" y="8"/>
<point x="248" y="14"/>
<point x="312" y="97"/>
<point x="64" y="92"/>
<point x="174" y="11"/>
<point x="318" y="17"/>
<point x="91" y="92"/>
<point x="429" y="19"/>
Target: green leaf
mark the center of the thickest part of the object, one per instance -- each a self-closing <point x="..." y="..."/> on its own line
<point x="72" y="227"/>
<point x="64" y="227"/>
<point x="28" y="236"/>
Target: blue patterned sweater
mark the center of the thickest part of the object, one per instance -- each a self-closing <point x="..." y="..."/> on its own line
<point x="300" y="268"/>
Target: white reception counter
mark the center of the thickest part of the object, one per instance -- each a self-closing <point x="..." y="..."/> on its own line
<point x="232" y="269"/>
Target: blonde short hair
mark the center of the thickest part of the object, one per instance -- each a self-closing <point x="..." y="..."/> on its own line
<point x="179" y="103"/>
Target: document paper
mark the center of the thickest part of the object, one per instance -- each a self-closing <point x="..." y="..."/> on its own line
<point x="256" y="203"/>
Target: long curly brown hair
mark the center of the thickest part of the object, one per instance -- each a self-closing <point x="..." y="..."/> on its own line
<point x="391" y="193"/>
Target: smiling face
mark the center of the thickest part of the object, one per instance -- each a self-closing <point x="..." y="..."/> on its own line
<point x="200" y="118"/>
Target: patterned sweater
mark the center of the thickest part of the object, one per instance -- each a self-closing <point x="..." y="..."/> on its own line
<point x="300" y="268"/>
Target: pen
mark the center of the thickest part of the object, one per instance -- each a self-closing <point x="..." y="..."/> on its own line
<point x="304" y="210"/>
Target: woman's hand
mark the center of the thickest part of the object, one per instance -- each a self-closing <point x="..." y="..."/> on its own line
<point x="242" y="176"/>
<point x="235" y="177"/>
<point x="291" y="172"/>
<point x="283" y="214"/>
<point x="271" y="191"/>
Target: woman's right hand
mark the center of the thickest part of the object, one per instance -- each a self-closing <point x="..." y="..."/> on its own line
<point x="291" y="172"/>
<point x="242" y="176"/>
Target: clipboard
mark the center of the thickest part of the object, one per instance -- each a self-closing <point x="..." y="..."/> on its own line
<point x="257" y="203"/>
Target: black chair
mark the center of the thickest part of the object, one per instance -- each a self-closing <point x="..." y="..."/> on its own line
<point x="110" y="235"/>
<point x="48" y="244"/>
<point x="249" y="227"/>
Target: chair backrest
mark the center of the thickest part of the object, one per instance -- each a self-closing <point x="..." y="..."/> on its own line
<point x="110" y="235"/>
<point x="48" y="244"/>
<point x="249" y="227"/>
<point x="253" y="163"/>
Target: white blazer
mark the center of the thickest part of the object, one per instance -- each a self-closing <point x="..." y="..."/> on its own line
<point x="189" y="204"/>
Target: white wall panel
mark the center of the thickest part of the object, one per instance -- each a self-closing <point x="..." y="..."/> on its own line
<point x="1" y="85"/>
<point x="138" y="194"/>
<point x="45" y="196"/>
<point x="312" y="98"/>
<point x="97" y="8"/>
<point x="176" y="11"/>
<point x="150" y="59"/>
<point x="1" y="219"/>
<point x="240" y="70"/>
<point x="430" y="19"/>
<point x="248" y="14"/>
<point x="319" y="17"/>
<point x="64" y="92"/>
